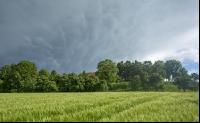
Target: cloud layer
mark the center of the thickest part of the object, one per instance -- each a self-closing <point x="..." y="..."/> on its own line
<point x="71" y="36"/>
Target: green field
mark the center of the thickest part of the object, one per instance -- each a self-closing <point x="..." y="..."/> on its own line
<point x="100" y="106"/>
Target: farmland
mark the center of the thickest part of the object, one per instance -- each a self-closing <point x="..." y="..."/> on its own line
<point x="100" y="106"/>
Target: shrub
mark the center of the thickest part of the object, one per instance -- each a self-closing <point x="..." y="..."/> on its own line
<point x="193" y="85"/>
<point x="168" y="86"/>
<point x="119" y="86"/>
<point x="46" y="86"/>
<point x="102" y="86"/>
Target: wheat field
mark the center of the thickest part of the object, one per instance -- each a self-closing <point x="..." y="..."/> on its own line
<point x="100" y="106"/>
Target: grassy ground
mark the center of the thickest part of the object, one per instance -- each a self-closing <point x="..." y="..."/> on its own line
<point x="100" y="106"/>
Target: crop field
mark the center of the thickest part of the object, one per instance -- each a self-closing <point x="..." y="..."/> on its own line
<point x="100" y="106"/>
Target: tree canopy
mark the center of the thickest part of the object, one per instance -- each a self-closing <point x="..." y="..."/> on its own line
<point x="136" y="76"/>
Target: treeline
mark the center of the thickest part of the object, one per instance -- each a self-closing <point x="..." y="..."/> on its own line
<point x="134" y="76"/>
<point x="157" y="76"/>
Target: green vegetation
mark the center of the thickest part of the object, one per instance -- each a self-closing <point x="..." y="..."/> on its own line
<point x="110" y="76"/>
<point x="169" y="87"/>
<point x="100" y="106"/>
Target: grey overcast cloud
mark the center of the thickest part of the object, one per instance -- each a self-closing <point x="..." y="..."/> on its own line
<point x="74" y="35"/>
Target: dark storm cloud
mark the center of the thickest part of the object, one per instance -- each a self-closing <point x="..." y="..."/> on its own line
<point x="71" y="36"/>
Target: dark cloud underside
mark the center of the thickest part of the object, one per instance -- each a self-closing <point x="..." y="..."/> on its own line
<point x="71" y="36"/>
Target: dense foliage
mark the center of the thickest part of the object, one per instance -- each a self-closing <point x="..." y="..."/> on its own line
<point x="135" y="76"/>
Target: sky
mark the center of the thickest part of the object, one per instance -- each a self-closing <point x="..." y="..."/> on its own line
<point x="74" y="35"/>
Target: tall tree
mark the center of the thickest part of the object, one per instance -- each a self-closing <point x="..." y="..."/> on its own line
<point x="183" y="82"/>
<point x="53" y="75"/>
<point x="44" y="84"/>
<point x="89" y="82"/>
<point x="135" y="83"/>
<point x="44" y="73"/>
<point x="155" y="81"/>
<point x="107" y="70"/>
<point x="159" y="67"/>
<point x="195" y="76"/>
<point x="173" y="68"/>
<point x="5" y="72"/>
<point x="75" y="83"/>
<point x="121" y="69"/>
<point x="147" y="66"/>
<point x="19" y="77"/>
<point x="28" y="73"/>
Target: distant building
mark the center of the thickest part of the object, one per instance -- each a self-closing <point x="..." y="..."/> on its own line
<point x="166" y="80"/>
<point x="169" y="80"/>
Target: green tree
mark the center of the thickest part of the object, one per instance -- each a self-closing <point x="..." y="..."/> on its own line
<point x="53" y="75"/>
<point x="124" y="70"/>
<point x="5" y="72"/>
<point x="45" y="73"/>
<point x="44" y="85"/>
<point x="183" y="82"/>
<point x="19" y="77"/>
<point x="15" y="81"/>
<point x="75" y="83"/>
<point x="62" y="82"/>
<point x="173" y="67"/>
<point x="195" y="76"/>
<point x="148" y="66"/>
<point x="155" y="81"/>
<point x="144" y="80"/>
<point x="89" y="81"/>
<point x="194" y="84"/>
<point x="1" y="85"/>
<point x="137" y="69"/>
<point x="136" y="83"/>
<point x="159" y="67"/>
<point x="107" y="70"/>
<point x="27" y="72"/>
<point x="102" y="86"/>
<point x="121" y="69"/>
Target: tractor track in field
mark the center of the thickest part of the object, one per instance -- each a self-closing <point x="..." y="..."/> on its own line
<point x="93" y="116"/>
